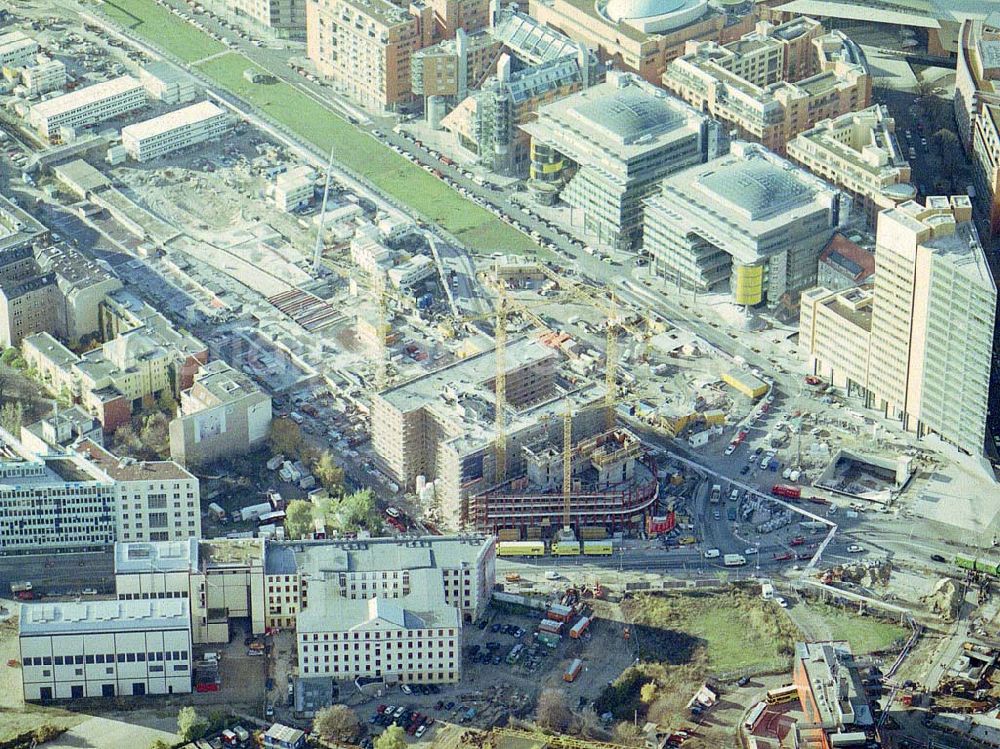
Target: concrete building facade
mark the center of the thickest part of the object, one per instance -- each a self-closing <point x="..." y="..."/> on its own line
<point x="104" y="649"/>
<point x="929" y="326"/>
<point x="174" y="131"/>
<point x="88" y="106"/>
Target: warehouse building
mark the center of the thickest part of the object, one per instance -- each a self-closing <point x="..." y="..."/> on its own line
<point x="749" y="218"/>
<point x="87" y="106"/>
<point x="105" y="649"/>
<point x="607" y="148"/>
<point x="197" y="123"/>
<point x="927" y="325"/>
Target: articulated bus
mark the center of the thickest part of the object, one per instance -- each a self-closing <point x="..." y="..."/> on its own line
<point x="520" y="549"/>
<point x="782" y="695"/>
<point x="598" y="548"/>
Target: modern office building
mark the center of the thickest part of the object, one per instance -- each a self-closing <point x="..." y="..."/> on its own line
<point x="923" y="339"/>
<point x="832" y="696"/>
<point x="607" y="148"/>
<point x="43" y="75"/>
<point x="17" y="50"/>
<point x="365" y="47"/>
<point x="104" y="649"/>
<point x="88" y="106"/>
<point x="858" y="152"/>
<point x="642" y="36"/>
<point x="221" y="415"/>
<point x="748" y="217"/>
<point x="774" y="82"/>
<point x="182" y="128"/>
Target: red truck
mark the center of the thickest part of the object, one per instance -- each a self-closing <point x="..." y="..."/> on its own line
<point x="797" y="541"/>
<point x="785" y="490"/>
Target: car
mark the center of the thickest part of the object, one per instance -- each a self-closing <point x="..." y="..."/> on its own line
<point x="439" y="704"/>
<point x="435" y="689"/>
<point x="744" y="470"/>
<point x="268" y="683"/>
<point x="251" y="652"/>
<point x="398" y="712"/>
<point x="781" y="601"/>
<point x="750" y="550"/>
<point x="743" y="681"/>
<point x="938" y="558"/>
<point x="717" y="515"/>
<point x="269" y="712"/>
<point x="449" y="705"/>
<point x="405" y="688"/>
<point x="495" y="627"/>
<point x="854" y="549"/>
<point x="376" y="718"/>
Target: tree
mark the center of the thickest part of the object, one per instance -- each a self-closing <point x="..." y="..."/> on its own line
<point x="337" y="723"/>
<point x="127" y="441"/>
<point x="155" y="435"/>
<point x="11" y="417"/>
<point x="298" y="518"/>
<point x="190" y="725"/>
<point x="9" y="354"/>
<point x="286" y="438"/>
<point x="159" y="744"/>
<point x="358" y="510"/>
<point x="166" y="403"/>
<point x="328" y="473"/>
<point x="392" y="737"/>
<point x="648" y="692"/>
<point x="553" y="712"/>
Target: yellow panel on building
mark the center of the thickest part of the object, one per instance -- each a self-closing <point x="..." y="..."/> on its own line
<point x="746" y="383"/>
<point x="748" y="284"/>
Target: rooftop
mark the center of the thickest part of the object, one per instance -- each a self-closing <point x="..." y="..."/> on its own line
<point x="72" y="268"/>
<point x="530" y="40"/>
<point x="835" y="683"/>
<point x="231" y="552"/>
<point x="189" y="115"/>
<point x="17" y="227"/>
<point x="848" y="259"/>
<point x="757" y="189"/>
<point x="85" y="96"/>
<point x="70" y="618"/>
<point x="80" y="175"/>
<point x="217" y="382"/>
<point x="157" y="556"/>
<point x="130" y="469"/>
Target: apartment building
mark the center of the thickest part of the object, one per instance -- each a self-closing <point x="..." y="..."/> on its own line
<point x="56" y="432"/>
<point x="844" y="264"/>
<point x="607" y="148"/>
<point x="285" y="19"/>
<point x="104" y="649"/>
<point x="174" y="131"/>
<point x="858" y="152"/>
<point x="83" y="286"/>
<point x="831" y="693"/>
<point x="43" y="75"/>
<point x="767" y="87"/>
<point x="28" y="305"/>
<point x="366" y="46"/>
<point x="642" y="36"/>
<point x="450" y="67"/>
<point x="749" y="218"/>
<point x="221" y="415"/>
<point x="17" y="50"/>
<point x="87" y="106"/>
<point x="929" y="326"/>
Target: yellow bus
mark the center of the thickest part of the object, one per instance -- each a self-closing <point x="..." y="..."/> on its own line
<point x="565" y="548"/>
<point x="782" y="695"/>
<point x="598" y="548"/>
<point x="520" y="549"/>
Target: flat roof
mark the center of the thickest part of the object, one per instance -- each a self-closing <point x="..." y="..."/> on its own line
<point x="231" y="552"/>
<point x="156" y="556"/>
<point x="87" y="95"/>
<point x="130" y="469"/>
<point x="72" y="618"/>
<point x="218" y="380"/>
<point x="17" y="227"/>
<point x="81" y="175"/>
<point x="165" y="123"/>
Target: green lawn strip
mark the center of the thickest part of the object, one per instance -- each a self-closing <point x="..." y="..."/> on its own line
<point x="393" y="174"/>
<point x="866" y="634"/>
<point x="162" y="27"/>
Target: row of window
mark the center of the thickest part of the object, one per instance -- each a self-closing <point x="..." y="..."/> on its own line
<point x="69" y="660"/>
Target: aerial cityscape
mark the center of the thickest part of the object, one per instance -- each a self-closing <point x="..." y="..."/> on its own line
<point x="487" y="374"/>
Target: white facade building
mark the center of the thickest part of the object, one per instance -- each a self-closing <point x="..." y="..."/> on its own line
<point x="294" y="188"/>
<point x="105" y="649"/>
<point x="17" y="50"/>
<point x="88" y="106"/>
<point x="44" y="76"/>
<point x="167" y="83"/>
<point x="173" y="131"/>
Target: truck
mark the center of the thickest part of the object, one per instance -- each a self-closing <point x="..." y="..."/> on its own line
<point x="786" y="490"/>
<point x="577" y="630"/>
<point x="716" y="496"/>
<point x="573" y="671"/>
<point x="20" y="587"/>
<point x="734" y="560"/>
<point x="766" y="591"/>
<point x="275" y="462"/>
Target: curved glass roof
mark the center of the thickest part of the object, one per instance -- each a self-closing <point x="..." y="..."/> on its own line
<point x="623" y="9"/>
<point x="757" y="188"/>
<point x="629" y="114"/>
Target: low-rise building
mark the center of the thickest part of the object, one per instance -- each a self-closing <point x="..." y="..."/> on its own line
<point x="844" y="264"/>
<point x="608" y="147"/>
<point x="17" y="50"/>
<point x="60" y="429"/>
<point x="167" y="83"/>
<point x="221" y="415"/>
<point x="295" y="188"/>
<point x="775" y="82"/>
<point x="174" y="131"/>
<point x="104" y="649"/>
<point x="284" y="19"/>
<point x="831" y="693"/>
<point x="88" y="106"/>
<point x="748" y="217"/>
<point x="858" y="153"/>
<point x="43" y="75"/>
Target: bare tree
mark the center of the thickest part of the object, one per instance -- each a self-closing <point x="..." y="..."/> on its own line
<point x="553" y="712"/>
<point x="337" y="723"/>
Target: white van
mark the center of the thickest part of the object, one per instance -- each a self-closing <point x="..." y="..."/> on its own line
<point x="712" y="553"/>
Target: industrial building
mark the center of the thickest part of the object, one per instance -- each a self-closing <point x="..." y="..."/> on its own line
<point x="185" y="127"/>
<point x="643" y="36"/>
<point x="832" y="696"/>
<point x="919" y="345"/>
<point x="43" y="75"/>
<point x="86" y="498"/>
<point x="774" y="82"/>
<point x="17" y="50"/>
<point x="607" y="148"/>
<point x="104" y="649"/>
<point x="858" y="152"/>
<point x="87" y="106"/>
<point x="749" y="217"/>
<point x="221" y="415"/>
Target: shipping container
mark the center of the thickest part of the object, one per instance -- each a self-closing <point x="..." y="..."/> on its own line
<point x="598" y="548"/>
<point x="574" y="670"/>
<point x="577" y="630"/>
<point x="217" y="512"/>
<point x="558" y="612"/>
<point x="565" y="548"/>
<point x="548" y="639"/>
<point x="520" y="549"/>
<point x="551" y="626"/>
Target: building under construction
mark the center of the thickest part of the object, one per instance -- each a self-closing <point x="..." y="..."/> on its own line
<point x="443" y="426"/>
